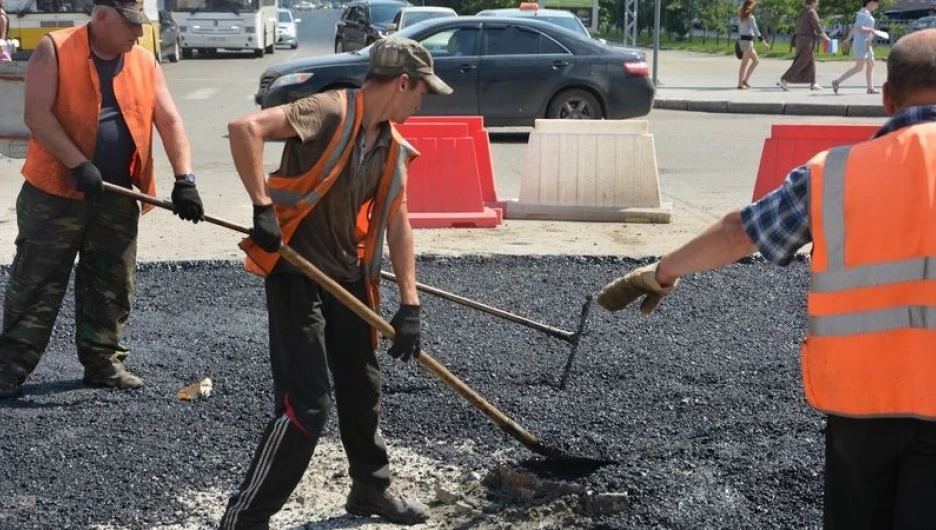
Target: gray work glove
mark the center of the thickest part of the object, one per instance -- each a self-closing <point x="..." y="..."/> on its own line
<point x="406" y="341"/>
<point x="87" y="178"/>
<point x="638" y="282"/>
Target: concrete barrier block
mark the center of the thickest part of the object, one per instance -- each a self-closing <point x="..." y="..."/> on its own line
<point x="590" y="171"/>
<point x="671" y="104"/>
<point x="14" y="147"/>
<point x="12" y="90"/>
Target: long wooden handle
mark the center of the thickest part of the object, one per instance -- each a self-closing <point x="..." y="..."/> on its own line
<point x="425" y="360"/>
<point x="567" y="336"/>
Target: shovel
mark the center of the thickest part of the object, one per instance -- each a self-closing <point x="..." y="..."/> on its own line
<point x="368" y="315"/>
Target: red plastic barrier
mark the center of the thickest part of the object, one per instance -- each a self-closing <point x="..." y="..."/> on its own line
<point x="452" y="182"/>
<point x="790" y="146"/>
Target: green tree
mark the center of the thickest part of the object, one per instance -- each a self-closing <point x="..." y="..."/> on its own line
<point x="715" y="16"/>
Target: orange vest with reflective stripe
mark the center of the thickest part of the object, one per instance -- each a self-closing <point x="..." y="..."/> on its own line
<point x="870" y="349"/>
<point x="295" y="196"/>
<point x="78" y="106"/>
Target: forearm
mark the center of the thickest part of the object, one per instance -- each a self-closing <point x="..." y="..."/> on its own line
<point x="247" y="152"/>
<point x="176" y="144"/>
<point x="400" y="243"/>
<point x="47" y="130"/>
<point x="723" y="243"/>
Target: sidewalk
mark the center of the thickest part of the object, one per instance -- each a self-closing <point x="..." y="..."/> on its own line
<point x="703" y="82"/>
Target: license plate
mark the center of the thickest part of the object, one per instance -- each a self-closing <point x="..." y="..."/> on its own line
<point x="215" y="39"/>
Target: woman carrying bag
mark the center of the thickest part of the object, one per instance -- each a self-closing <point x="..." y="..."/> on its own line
<point x="747" y="31"/>
<point x="862" y="34"/>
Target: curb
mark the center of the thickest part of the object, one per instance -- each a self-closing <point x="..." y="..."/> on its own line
<point x="770" y="107"/>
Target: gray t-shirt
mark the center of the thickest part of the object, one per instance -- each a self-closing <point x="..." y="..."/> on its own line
<point x="327" y="237"/>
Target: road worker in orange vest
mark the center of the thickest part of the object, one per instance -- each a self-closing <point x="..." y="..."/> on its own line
<point x="869" y="357"/>
<point x="62" y="211"/>
<point x="340" y="188"/>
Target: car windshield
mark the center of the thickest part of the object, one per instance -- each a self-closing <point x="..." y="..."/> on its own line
<point x="418" y="16"/>
<point x="285" y="17"/>
<point x="383" y="14"/>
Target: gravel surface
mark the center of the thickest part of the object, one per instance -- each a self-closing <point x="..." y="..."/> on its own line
<point x="700" y="405"/>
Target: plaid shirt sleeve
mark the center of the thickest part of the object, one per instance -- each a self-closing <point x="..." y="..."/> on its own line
<point x="778" y="224"/>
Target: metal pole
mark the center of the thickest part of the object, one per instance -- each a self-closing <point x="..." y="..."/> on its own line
<point x="656" y="40"/>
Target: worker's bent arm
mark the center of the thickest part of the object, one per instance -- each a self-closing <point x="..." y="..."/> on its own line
<point x="41" y="89"/>
<point x="400" y="243"/>
<point x="170" y="127"/>
<point x="721" y="244"/>
<point x="247" y="136"/>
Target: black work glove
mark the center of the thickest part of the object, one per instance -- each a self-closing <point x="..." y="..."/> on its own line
<point x="87" y="178"/>
<point x="266" y="231"/>
<point x="406" y="343"/>
<point x="185" y="201"/>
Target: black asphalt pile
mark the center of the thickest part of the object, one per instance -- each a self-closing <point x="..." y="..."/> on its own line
<point x="699" y="404"/>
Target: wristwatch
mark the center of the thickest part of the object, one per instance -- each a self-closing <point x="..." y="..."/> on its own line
<point x="188" y="177"/>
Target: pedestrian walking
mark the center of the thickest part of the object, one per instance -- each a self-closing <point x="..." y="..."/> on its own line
<point x="340" y="187"/>
<point x="862" y="34"/>
<point x="808" y="29"/>
<point x="62" y="212"/>
<point x="4" y="34"/>
<point x="747" y="32"/>
<point x="867" y="358"/>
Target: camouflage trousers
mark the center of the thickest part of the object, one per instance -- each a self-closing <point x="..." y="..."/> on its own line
<point x="102" y="233"/>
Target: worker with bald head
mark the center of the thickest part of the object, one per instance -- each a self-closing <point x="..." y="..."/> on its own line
<point x="869" y="355"/>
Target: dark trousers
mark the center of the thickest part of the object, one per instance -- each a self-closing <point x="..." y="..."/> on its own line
<point x="312" y="334"/>
<point x="880" y="474"/>
<point x="53" y="230"/>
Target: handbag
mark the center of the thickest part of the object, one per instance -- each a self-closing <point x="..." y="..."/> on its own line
<point x="737" y="49"/>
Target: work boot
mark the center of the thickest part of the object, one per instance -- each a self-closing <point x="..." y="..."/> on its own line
<point x="10" y="386"/>
<point x="365" y="501"/>
<point x="112" y="375"/>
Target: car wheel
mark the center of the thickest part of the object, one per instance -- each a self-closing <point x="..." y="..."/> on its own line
<point x="175" y="56"/>
<point x="574" y="104"/>
<point x="339" y="46"/>
<point x="272" y="48"/>
<point x="294" y="45"/>
<point x="259" y="53"/>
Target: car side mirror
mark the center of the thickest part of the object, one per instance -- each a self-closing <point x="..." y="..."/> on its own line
<point x="391" y="27"/>
<point x="296" y="21"/>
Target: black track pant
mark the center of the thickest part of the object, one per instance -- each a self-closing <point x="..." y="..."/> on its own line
<point x="312" y="333"/>
<point x="880" y="474"/>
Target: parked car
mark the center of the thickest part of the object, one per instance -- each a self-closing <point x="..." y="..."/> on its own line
<point x="559" y="17"/>
<point x="922" y="23"/>
<point x="413" y="15"/>
<point x="169" y="42"/>
<point x="304" y="6"/>
<point x="286" y="34"/>
<point x="363" y="22"/>
<point x="511" y="71"/>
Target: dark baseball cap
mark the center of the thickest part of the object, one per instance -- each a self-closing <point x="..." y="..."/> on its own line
<point x="396" y="56"/>
<point x="132" y="10"/>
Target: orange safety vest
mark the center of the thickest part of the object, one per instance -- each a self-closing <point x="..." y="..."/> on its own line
<point x="295" y="196"/>
<point x="870" y="349"/>
<point x="78" y="106"/>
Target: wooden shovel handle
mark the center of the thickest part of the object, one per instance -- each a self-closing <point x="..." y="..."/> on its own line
<point x="425" y="360"/>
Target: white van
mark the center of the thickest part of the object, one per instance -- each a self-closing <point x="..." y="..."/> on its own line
<point x="286" y="29"/>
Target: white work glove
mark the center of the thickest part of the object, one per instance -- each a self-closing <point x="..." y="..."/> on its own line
<point x="638" y="282"/>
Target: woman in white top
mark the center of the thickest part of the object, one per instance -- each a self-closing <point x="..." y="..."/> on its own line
<point x="862" y="34"/>
<point x="747" y="30"/>
<point x="4" y="33"/>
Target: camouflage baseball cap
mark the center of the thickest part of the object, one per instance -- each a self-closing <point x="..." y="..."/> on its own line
<point x="396" y="56"/>
<point x="132" y="10"/>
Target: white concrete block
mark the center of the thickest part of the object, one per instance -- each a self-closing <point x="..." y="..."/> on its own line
<point x="12" y="90"/>
<point x="583" y="170"/>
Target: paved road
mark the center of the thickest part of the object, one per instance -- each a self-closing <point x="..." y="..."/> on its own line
<point x="707" y="164"/>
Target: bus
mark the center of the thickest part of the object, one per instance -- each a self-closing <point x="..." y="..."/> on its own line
<point x="238" y="25"/>
<point x="30" y="20"/>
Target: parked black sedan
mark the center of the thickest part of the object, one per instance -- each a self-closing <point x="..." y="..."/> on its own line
<point x="510" y="71"/>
